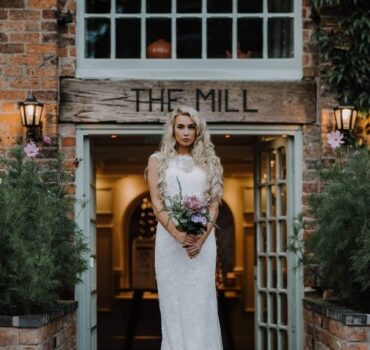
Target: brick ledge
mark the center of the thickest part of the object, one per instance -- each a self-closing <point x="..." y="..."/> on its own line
<point x="35" y="321"/>
<point x="336" y="312"/>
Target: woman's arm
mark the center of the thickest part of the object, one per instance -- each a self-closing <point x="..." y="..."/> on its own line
<point x="157" y="203"/>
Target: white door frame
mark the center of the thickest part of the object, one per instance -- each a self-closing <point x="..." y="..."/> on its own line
<point x="85" y="131"/>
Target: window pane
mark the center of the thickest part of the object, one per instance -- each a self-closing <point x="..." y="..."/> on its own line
<point x="280" y="38"/>
<point x="219" y="6"/>
<point x="189" y="6"/>
<point x="250" y="37"/>
<point x="128" y="6"/>
<point x="219" y="38"/>
<point x="128" y="38"/>
<point x="246" y="6"/>
<point x="280" y="6"/>
<point x="97" y="6"/>
<point x="158" y="38"/>
<point x="97" y="37"/>
<point x="189" y="38"/>
<point x="158" y="6"/>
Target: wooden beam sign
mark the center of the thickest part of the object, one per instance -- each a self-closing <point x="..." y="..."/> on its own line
<point x="149" y="101"/>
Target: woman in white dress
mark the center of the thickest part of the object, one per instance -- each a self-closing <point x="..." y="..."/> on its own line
<point x="185" y="264"/>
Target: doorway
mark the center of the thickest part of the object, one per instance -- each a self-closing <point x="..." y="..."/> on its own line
<point x="122" y="195"/>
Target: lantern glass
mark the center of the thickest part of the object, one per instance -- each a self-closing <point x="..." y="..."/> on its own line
<point x="38" y="113"/>
<point x="30" y="113"/>
<point x="23" y="117"/>
<point x="345" y="118"/>
<point x="338" y="118"/>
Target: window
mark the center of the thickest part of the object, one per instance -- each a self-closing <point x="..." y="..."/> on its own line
<point x="219" y="39"/>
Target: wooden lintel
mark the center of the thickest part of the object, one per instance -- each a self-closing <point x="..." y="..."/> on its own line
<point x="149" y="101"/>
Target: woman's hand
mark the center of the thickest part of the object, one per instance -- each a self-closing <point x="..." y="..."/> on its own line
<point x="193" y="245"/>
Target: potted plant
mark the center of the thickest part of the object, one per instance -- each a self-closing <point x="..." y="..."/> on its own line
<point x="41" y="248"/>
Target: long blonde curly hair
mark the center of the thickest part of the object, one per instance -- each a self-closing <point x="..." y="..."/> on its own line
<point x="202" y="151"/>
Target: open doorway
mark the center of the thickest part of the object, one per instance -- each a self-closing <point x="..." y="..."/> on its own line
<point x="249" y="313"/>
<point x="125" y="243"/>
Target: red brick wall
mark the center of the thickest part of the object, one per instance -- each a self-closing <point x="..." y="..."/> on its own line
<point x="58" y="334"/>
<point x="34" y="52"/>
<point x="321" y="332"/>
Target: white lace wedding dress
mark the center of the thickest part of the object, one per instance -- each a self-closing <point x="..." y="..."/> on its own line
<point x="186" y="287"/>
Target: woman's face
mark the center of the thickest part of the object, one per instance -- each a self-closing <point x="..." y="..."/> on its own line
<point x="184" y="131"/>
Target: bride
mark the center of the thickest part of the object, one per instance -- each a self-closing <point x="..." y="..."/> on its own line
<point x="185" y="264"/>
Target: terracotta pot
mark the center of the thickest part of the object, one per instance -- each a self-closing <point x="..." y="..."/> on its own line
<point x="159" y="49"/>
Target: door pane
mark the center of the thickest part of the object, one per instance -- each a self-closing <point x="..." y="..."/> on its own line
<point x="282" y="163"/>
<point x="250" y="38"/>
<point x="272" y="164"/>
<point x="283" y="197"/>
<point x="219" y="37"/>
<point x="263" y="310"/>
<point x="274" y="272"/>
<point x="249" y="6"/>
<point x="282" y="6"/>
<point x="128" y="36"/>
<point x="273" y="246"/>
<point x="219" y="6"/>
<point x="284" y="339"/>
<point x="156" y="6"/>
<point x="158" y="37"/>
<point x="189" y="6"/>
<point x="272" y="211"/>
<point x="263" y="171"/>
<point x="283" y="236"/>
<point x="128" y="6"/>
<point x="263" y="201"/>
<point x="97" y="37"/>
<point x="263" y="335"/>
<point x="189" y="38"/>
<point x="263" y="272"/>
<point x="284" y="309"/>
<point x="97" y="6"/>
<point x="280" y="38"/>
<point x="263" y="239"/>
<point x="284" y="273"/>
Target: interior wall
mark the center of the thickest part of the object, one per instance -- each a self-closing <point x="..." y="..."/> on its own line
<point x="126" y="188"/>
<point x="234" y="196"/>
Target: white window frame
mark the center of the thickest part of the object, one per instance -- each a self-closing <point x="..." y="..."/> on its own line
<point x="188" y="69"/>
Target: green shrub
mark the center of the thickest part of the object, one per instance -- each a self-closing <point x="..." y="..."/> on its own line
<point x="337" y="253"/>
<point x="41" y="248"/>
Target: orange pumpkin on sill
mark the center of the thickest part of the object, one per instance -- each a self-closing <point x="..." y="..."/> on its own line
<point x="159" y="49"/>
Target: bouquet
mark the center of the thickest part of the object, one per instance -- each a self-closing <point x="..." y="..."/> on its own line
<point x="190" y="213"/>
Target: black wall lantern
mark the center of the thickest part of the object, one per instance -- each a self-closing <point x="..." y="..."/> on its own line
<point x="345" y="120"/>
<point x="31" y="111"/>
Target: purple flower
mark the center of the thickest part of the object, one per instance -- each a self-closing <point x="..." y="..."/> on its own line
<point x="335" y="139"/>
<point x="47" y="140"/>
<point x="195" y="218"/>
<point x="203" y="221"/>
<point x="31" y="150"/>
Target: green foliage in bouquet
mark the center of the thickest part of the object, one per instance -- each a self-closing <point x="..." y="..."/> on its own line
<point x="41" y="249"/>
<point x="346" y="47"/>
<point x="337" y="253"/>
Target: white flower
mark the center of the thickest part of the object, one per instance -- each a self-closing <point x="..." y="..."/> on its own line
<point x="335" y="139"/>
